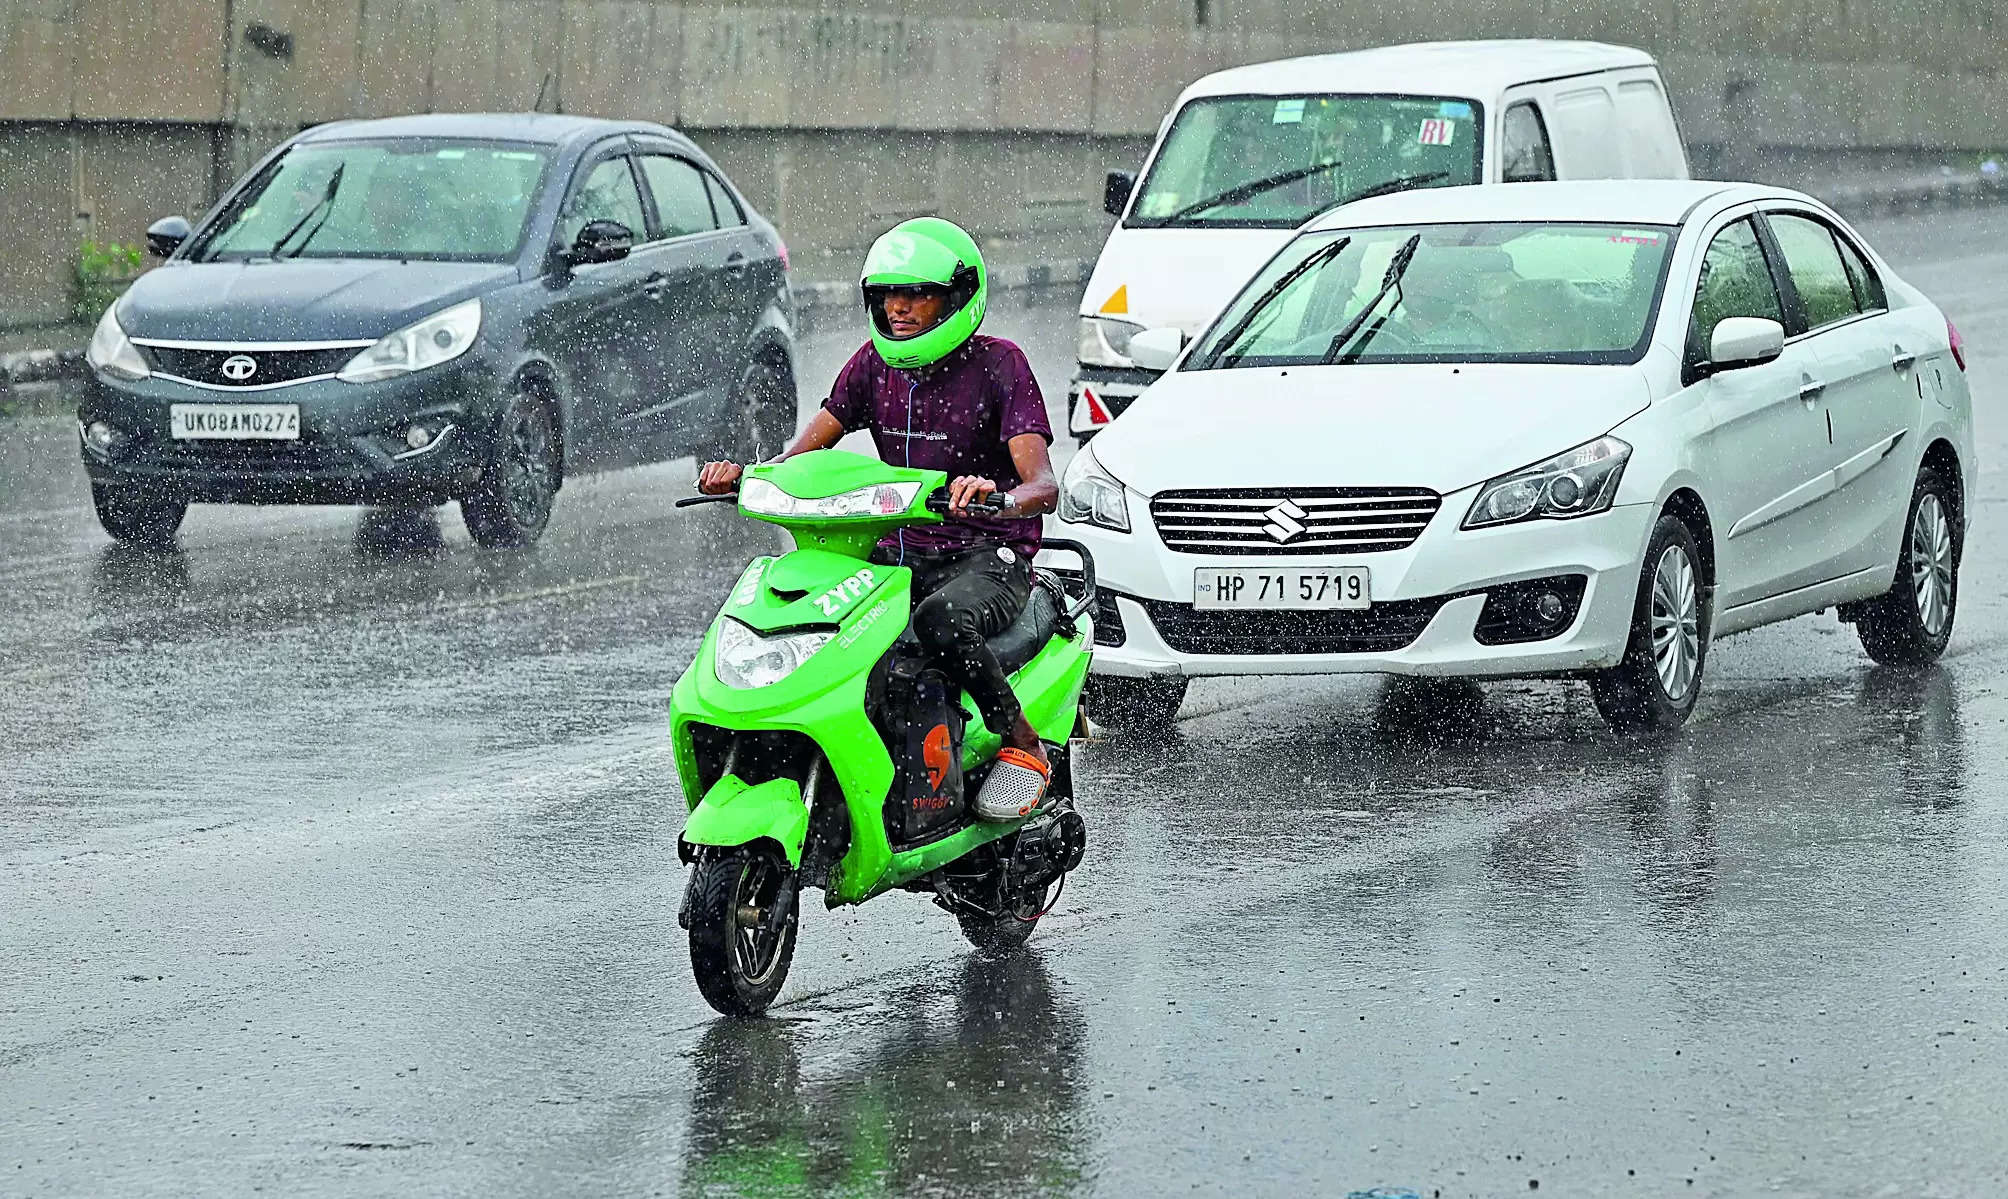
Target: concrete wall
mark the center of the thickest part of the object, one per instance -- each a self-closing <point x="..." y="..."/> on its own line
<point x="843" y="116"/>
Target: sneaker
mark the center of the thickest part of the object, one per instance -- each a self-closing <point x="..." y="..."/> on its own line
<point x="1016" y="783"/>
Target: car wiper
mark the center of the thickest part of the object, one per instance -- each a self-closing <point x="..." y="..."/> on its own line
<point x="1246" y="191"/>
<point x="1311" y="261"/>
<point x="1389" y="282"/>
<point x="323" y="208"/>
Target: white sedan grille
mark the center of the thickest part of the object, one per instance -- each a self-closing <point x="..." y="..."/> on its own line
<point x="1304" y="520"/>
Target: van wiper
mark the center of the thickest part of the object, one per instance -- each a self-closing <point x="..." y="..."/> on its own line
<point x="1246" y="191"/>
<point x="1389" y="187"/>
<point x="323" y="208"/>
<point x="1315" y="259"/>
<point x="1389" y="282"/>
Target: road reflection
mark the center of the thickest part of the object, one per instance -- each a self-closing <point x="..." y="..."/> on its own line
<point x="967" y="1084"/>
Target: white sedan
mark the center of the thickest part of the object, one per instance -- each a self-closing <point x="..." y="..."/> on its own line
<point x="1565" y="429"/>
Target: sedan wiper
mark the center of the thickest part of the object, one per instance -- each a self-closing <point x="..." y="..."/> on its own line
<point x="1389" y="282"/>
<point x="324" y="207"/>
<point x="1311" y="261"/>
<point x="1246" y="191"/>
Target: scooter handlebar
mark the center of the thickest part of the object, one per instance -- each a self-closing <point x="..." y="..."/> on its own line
<point x="938" y="504"/>
<point x="692" y="500"/>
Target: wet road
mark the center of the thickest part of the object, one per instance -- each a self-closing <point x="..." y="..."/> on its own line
<point x="338" y="858"/>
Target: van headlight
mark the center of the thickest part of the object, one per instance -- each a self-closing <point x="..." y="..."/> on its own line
<point x="1577" y="483"/>
<point x="1104" y="341"/>
<point x="745" y="659"/>
<point x="1090" y="495"/>
<point x="438" y="338"/>
<point x="111" y="352"/>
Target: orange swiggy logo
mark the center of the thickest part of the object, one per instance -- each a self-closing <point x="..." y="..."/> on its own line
<point x="934" y="750"/>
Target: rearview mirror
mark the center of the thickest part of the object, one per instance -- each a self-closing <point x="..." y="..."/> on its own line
<point x="601" y="241"/>
<point x="1156" y="349"/>
<point x="165" y="235"/>
<point x="1116" y="191"/>
<point x="1740" y="341"/>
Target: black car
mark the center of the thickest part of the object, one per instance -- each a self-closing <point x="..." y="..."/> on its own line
<point x="446" y="307"/>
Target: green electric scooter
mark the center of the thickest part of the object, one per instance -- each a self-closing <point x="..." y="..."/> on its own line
<point x="819" y="747"/>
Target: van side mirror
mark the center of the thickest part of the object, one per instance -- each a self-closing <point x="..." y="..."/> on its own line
<point x="1156" y="349"/>
<point x="600" y="241"/>
<point x="1116" y="191"/>
<point x="1740" y="341"/>
<point x="165" y="235"/>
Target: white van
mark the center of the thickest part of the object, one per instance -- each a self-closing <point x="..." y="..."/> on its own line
<point x="1249" y="154"/>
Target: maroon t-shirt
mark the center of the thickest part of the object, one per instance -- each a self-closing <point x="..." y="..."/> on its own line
<point x="959" y="417"/>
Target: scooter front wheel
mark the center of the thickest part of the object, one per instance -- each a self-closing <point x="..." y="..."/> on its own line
<point x="742" y="929"/>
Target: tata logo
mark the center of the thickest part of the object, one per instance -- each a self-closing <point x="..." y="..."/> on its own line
<point x="1286" y="522"/>
<point x="239" y="367"/>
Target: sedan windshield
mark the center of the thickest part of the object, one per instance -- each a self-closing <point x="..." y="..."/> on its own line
<point x="1273" y="162"/>
<point x="1508" y="292"/>
<point x="432" y="199"/>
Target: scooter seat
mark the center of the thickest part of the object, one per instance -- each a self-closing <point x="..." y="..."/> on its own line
<point x="1028" y="634"/>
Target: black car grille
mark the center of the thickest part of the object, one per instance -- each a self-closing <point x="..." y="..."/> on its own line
<point x="269" y="366"/>
<point x="279" y="457"/>
<point x="1303" y="520"/>
<point x="1383" y="628"/>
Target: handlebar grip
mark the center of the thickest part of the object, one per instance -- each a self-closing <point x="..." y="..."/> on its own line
<point x="693" y="500"/>
<point x="938" y="504"/>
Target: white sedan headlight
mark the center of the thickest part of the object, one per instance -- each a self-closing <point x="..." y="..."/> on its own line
<point x="438" y="338"/>
<point x="111" y="352"/>
<point x="746" y="660"/>
<point x="881" y="499"/>
<point x="1580" y="482"/>
<point x="1090" y="495"/>
<point x="1103" y="341"/>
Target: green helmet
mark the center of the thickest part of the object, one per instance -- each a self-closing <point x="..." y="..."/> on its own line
<point x="926" y="252"/>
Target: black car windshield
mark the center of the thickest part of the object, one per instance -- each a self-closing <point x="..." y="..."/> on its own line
<point x="1498" y="292"/>
<point x="407" y="198"/>
<point x="1279" y="160"/>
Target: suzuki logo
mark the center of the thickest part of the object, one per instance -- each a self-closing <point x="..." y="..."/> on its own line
<point x="1285" y="522"/>
<point x="239" y="367"/>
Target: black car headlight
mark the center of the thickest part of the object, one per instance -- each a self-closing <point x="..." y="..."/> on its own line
<point x="1579" y="482"/>
<point x="437" y="339"/>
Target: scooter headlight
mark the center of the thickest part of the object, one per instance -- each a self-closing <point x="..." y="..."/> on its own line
<point x="763" y="498"/>
<point x="746" y="660"/>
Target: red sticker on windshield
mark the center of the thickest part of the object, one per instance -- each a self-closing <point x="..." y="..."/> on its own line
<point x="1630" y="239"/>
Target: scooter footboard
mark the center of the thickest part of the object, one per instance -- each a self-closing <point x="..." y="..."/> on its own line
<point x="735" y="812"/>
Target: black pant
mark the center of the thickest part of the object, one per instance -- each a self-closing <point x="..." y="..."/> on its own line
<point x="963" y="600"/>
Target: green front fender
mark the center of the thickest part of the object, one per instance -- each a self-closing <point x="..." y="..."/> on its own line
<point x="735" y="812"/>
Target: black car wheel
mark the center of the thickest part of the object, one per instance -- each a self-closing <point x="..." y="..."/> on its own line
<point x="513" y="502"/>
<point x="136" y="519"/>
<point x="762" y="415"/>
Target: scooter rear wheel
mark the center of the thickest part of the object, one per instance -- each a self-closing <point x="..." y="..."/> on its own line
<point x="742" y="937"/>
<point x="996" y="935"/>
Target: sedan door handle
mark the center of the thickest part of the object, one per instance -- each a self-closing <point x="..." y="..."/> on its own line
<point x="656" y="286"/>
<point x="1903" y="359"/>
<point x="1810" y="389"/>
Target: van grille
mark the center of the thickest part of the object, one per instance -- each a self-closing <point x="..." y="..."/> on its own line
<point x="1304" y="520"/>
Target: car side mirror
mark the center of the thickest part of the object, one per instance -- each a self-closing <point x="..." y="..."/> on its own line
<point x="1740" y="341"/>
<point x="1116" y="191"/>
<point x="600" y="241"/>
<point x="165" y="235"/>
<point x="1156" y="349"/>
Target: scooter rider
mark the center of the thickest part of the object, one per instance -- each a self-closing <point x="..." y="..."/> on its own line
<point x="936" y="394"/>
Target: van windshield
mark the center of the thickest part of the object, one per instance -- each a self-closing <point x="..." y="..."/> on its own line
<point x="1273" y="162"/>
<point x="405" y="198"/>
<point x="1574" y="293"/>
